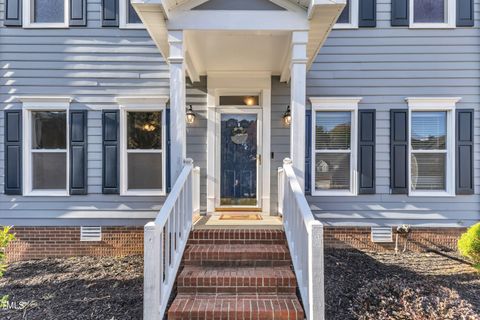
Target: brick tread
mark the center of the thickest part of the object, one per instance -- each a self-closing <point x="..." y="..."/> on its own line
<point x="237" y="254"/>
<point x="272" y="280"/>
<point x="236" y="307"/>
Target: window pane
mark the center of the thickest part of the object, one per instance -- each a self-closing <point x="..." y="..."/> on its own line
<point x="49" y="170"/>
<point x="332" y="130"/>
<point x="429" y="11"/>
<point x="132" y="14"/>
<point x="144" y="171"/>
<point x="48" y="10"/>
<point x="429" y="130"/>
<point x="332" y="171"/>
<point x="428" y="171"/>
<point x="239" y="100"/>
<point x="144" y="130"/>
<point x="49" y="130"/>
<point x="345" y="15"/>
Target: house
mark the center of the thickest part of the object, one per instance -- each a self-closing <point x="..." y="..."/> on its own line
<point x="375" y="103"/>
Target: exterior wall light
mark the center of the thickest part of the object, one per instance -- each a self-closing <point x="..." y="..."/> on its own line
<point x="287" y="117"/>
<point x="190" y="115"/>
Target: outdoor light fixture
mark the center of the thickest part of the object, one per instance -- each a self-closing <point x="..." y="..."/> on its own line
<point x="287" y="117"/>
<point x="190" y="115"/>
<point x="249" y="101"/>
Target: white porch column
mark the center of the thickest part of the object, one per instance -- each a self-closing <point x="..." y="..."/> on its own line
<point x="298" y="78"/>
<point x="177" y="104"/>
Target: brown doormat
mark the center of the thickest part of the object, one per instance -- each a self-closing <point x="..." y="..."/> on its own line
<point x="240" y="217"/>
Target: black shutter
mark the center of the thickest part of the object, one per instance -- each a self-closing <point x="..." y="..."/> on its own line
<point x="111" y="147"/>
<point x="399" y="151"/>
<point x="464" y="152"/>
<point x="78" y="152"/>
<point x="308" y="151"/>
<point x="366" y="151"/>
<point x="110" y="13"/>
<point x="400" y="13"/>
<point x="13" y="152"/>
<point x="367" y="15"/>
<point x="78" y="13"/>
<point x="13" y="13"/>
<point x="465" y="15"/>
<point x="168" y="166"/>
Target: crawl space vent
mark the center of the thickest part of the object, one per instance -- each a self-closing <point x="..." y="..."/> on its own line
<point x="382" y="234"/>
<point x="91" y="234"/>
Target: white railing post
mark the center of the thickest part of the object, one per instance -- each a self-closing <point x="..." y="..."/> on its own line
<point x="151" y="275"/>
<point x="281" y="195"/>
<point x="316" y="272"/>
<point x="196" y="190"/>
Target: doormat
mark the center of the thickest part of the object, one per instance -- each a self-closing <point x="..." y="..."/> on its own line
<point x="240" y="217"/>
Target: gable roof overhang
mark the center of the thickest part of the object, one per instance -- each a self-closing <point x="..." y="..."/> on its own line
<point x="316" y="17"/>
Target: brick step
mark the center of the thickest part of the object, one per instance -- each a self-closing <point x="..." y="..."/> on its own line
<point x="240" y="236"/>
<point x="269" y="280"/>
<point x="231" y="307"/>
<point x="239" y="255"/>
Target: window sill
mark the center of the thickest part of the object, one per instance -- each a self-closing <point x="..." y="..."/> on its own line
<point x="431" y="26"/>
<point x="133" y="26"/>
<point x="430" y="194"/>
<point x="344" y="26"/>
<point x="144" y="193"/>
<point x="339" y="193"/>
<point x="47" y="193"/>
<point x="46" y="26"/>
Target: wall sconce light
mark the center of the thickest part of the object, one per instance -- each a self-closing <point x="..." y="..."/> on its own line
<point x="287" y="117"/>
<point x="190" y="115"/>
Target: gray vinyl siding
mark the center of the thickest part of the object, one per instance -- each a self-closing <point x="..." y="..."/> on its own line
<point x="93" y="65"/>
<point x="384" y="65"/>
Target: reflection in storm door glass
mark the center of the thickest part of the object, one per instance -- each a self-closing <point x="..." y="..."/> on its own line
<point x="238" y="167"/>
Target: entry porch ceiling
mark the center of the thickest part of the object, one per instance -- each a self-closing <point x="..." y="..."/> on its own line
<point x="239" y="40"/>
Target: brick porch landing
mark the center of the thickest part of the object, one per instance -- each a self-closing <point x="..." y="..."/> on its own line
<point x="236" y="274"/>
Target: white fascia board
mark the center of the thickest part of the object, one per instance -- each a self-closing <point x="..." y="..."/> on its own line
<point x="432" y="102"/>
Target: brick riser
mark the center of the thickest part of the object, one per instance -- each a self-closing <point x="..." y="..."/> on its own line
<point x="236" y="274"/>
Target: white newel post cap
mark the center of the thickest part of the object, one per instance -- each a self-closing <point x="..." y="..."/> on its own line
<point x="287" y="161"/>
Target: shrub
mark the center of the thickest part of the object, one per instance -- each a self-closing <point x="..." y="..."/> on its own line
<point x="469" y="244"/>
<point x="397" y="298"/>
<point x="5" y="238"/>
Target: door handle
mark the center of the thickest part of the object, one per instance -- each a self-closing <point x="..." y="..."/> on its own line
<point x="259" y="159"/>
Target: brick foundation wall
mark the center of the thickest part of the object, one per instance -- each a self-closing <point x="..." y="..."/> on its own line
<point x="419" y="239"/>
<point x="43" y="242"/>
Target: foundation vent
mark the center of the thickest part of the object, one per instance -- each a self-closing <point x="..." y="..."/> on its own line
<point x="382" y="234"/>
<point x="91" y="234"/>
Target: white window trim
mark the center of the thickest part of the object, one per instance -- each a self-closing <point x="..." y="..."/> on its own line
<point x="450" y="22"/>
<point x="337" y="104"/>
<point x="353" y="17"/>
<point x="28" y="21"/>
<point x="435" y="104"/>
<point x="123" y="16"/>
<point x="42" y="103"/>
<point x="139" y="104"/>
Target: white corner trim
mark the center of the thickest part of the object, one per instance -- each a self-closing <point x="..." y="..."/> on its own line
<point x="336" y="103"/>
<point x="432" y="102"/>
<point x="160" y="101"/>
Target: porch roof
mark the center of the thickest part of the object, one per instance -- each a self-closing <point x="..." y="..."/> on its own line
<point x="233" y="40"/>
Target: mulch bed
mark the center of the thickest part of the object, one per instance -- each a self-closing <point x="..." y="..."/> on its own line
<point x="112" y="288"/>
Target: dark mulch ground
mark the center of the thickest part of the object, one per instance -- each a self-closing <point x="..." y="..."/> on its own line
<point x="111" y="288"/>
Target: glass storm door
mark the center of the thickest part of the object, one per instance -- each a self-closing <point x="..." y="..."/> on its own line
<point x="239" y="159"/>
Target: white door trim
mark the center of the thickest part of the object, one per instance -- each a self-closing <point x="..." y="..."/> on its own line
<point x="231" y="84"/>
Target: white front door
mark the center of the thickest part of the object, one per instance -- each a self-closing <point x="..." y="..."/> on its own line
<point x="239" y="157"/>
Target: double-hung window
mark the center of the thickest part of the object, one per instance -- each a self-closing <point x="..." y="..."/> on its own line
<point x="129" y="18"/>
<point x="432" y="13"/>
<point x="46" y="146"/>
<point x="334" y="146"/>
<point x="142" y="142"/>
<point x="46" y="13"/>
<point x="431" y="146"/>
<point x="348" y="19"/>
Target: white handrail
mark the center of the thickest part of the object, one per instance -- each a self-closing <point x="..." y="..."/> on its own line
<point x="165" y="240"/>
<point x="305" y="241"/>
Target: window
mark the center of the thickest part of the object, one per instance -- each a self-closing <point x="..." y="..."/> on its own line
<point x="128" y="16"/>
<point x="432" y="13"/>
<point x="334" y="146"/>
<point x="348" y="19"/>
<point x="46" y="13"/>
<point x="431" y="145"/>
<point x="142" y="144"/>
